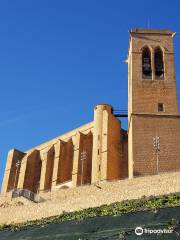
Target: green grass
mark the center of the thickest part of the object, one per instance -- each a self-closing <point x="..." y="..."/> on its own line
<point x="118" y="208"/>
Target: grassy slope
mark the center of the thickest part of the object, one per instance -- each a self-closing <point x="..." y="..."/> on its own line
<point x="118" y="208"/>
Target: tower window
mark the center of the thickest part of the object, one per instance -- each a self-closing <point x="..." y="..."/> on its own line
<point x="146" y="63"/>
<point x="160" y="107"/>
<point x="158" y="63"/>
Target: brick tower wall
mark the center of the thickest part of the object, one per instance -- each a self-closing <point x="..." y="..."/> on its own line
<point x="145" y="93"/>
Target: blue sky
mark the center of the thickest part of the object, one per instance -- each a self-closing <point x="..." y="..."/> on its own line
<point x="60" y="58"/>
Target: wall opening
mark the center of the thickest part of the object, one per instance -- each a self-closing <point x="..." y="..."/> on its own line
<point x="158" y="63"/>
<point x="161" y="107"/>
<point x="146" y="63"/>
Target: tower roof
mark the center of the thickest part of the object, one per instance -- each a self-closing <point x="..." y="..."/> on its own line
<point x="151" y="31"/>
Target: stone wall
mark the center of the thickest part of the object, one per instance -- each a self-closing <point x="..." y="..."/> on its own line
<point x="85" y="155"/>
<point x="10" y="181"/>
<point x="168" y="130"/>
<point x="145" y="121"/>
<point x="65" y="162"/>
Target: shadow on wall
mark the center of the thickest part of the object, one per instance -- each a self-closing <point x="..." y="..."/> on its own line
<point x="33" y="172"/>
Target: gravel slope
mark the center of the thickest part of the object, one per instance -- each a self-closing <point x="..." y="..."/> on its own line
<point x="68" y="200"/>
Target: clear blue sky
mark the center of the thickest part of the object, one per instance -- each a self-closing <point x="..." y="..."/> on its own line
<point x="60" y="58"/>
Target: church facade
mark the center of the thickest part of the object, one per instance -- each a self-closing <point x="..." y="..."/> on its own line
<point x="101" y="150"/>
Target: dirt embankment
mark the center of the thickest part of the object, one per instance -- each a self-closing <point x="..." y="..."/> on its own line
<point x="69" y="200"/>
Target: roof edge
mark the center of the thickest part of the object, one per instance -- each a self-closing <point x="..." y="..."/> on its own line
<point x="152" y="31"/>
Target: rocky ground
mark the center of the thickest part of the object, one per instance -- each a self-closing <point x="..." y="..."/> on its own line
<point x="69" y="200"/>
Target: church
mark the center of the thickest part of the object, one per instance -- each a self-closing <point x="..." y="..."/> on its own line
<point x="102" y="150"/>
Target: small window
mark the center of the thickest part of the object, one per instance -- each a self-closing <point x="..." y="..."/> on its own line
<point x="160" y="107"/>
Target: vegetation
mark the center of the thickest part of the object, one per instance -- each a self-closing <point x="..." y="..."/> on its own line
<point x="118" y="208"/>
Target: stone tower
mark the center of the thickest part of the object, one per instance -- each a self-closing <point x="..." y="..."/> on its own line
<point x="154" y="121"/>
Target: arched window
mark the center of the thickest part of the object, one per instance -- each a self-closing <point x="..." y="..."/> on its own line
<point x="158" y="62"/>
<point x="146" y="63"/>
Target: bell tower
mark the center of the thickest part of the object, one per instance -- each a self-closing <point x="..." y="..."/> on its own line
<point x="153" y="117"/>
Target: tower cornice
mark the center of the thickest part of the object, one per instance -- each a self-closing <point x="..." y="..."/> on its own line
<point x="151" y="31"/>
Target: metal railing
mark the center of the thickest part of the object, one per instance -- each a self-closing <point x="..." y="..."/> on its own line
<point x="120" y="113"/>
<point x="34" y="197"/>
